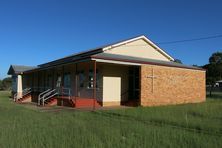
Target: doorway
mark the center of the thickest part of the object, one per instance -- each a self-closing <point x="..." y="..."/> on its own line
<point x="134" y="84"/>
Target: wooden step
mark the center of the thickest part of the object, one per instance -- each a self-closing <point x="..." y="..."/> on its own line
<point x="51" y="102"/>
<point x="26" y="98"/>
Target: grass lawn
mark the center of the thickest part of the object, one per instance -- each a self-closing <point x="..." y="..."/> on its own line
<point x="192" y="125"/>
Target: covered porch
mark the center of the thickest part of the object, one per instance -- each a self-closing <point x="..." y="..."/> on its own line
<point x="91" y="83"/>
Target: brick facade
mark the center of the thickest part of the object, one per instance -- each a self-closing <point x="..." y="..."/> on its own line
<point x="162" y="85"/>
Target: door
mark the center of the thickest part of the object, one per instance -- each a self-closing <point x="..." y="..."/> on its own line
<point x="134" y="88"/>
<point x="111" y="89"/>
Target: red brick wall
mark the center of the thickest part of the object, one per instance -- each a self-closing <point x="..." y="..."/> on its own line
<point x="171" y="85"/>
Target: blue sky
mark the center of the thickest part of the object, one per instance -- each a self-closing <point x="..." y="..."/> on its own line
<point x="36" y="31"/>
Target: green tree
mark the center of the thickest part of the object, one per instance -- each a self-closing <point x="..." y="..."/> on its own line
<point x="216" y="58"/>
<point x="1" y="88"/>
<point x="178" y="61"/>
<point x="7" y="83"/>
<point x="214" y="69"/>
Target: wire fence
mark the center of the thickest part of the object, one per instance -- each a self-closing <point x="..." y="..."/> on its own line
<point x="214" y="92"/>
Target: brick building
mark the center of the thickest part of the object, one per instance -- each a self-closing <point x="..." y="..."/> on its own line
<point x="130" y="72"/>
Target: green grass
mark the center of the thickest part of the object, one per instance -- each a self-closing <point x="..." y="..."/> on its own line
<point x="191" y="125"/>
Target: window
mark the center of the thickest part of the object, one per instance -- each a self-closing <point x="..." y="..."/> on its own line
<point x="59" y="80"/>
<point x="14" y="83"/>
<point x="81" y="78"/>
<point x="49" y="81"/>
<point x="91" y="78"/>
<point x="67" y="80"/>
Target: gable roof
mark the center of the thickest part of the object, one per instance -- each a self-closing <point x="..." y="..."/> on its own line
<point x="99" y="53"/>
<point x="19" y="69"/>
<point x="101" y="49"/>
<point x="157" y="48"/>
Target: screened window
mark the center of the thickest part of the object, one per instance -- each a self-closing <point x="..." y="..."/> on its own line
<point x="81" y="78"/>
<point x="59" y="80"/>
<point x="49" y="81"/>
<point x="67" y="80"/>
<point x="91" y="78"/>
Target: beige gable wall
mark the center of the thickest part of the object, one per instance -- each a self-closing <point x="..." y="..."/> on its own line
<point x="138" y="48"/>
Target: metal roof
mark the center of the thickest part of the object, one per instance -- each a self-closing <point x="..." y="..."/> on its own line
<point x="81" y="54"/>
<point x="123" y="58"/>
<point x="94" y="51"/>
<point x="19" y="69"/>
<point x="99" y="53"/>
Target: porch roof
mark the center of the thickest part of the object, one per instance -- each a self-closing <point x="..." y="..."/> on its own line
<point x="139" y="61"/>
<point x="116" y="59"/>
<point x="19" y="69"/>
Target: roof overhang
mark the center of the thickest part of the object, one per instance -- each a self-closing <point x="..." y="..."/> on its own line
<point x="19" y="69"/>
<point x="141" y="62"/>
<point x="58" y="65"/>
<point x="111" y="61"/>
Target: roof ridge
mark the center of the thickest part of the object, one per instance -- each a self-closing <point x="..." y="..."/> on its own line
<point x="93" y="49"/>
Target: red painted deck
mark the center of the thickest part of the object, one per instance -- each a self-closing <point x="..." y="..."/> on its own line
<point x="78" y="102"/>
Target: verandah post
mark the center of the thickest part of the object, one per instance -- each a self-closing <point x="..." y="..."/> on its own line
<point x="44" y="80"/>
<point x="94" y="86"/>
<point x="76" y="85"/>
<point x="53" y="78"/>
<point x="38" y="74"/>
<point x="62" y="84"/>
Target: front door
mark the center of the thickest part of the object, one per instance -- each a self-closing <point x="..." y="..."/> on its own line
<point x="112" y="89"/>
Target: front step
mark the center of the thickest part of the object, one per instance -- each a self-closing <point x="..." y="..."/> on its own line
<point x="26" y="98"/>
<point x="72" y="102"/>
<point x="51" y="102"/>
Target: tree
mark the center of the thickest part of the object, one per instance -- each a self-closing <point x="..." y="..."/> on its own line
<point x="178" y="61"/>
<point x="1" y="88"/>
<point x="214" y="69"/>
<point x="216" y="58"/>
<point x="6" y="83"/>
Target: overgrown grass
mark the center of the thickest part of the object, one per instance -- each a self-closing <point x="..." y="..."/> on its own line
<point x="191" y="125"/>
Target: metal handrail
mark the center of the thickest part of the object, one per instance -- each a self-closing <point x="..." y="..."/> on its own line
<point x="42" y="94"/>
<point x="43" y="101"/>
<point x="24" y="92"/>
<point x="48" y="95"/>
<point x="26" y="89"/>
<point x="64" y="92"/>
<point x="15" y="97"/>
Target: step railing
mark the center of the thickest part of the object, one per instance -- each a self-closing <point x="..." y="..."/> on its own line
<point x="42" y="94"/>
<point x="49" y="95"/>
<point x="25" y="92"/>
<point x="63" y="91"/>
<point x="15" y="97"/>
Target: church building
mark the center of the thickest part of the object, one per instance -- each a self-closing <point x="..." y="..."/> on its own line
<point x="133" y="72"/>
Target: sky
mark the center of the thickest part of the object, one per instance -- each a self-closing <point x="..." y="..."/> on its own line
<point x="33" y="32"/>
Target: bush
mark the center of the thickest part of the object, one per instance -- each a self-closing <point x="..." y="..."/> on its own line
<point x="6" y="84"/>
